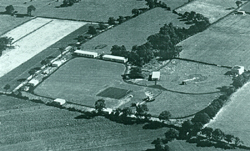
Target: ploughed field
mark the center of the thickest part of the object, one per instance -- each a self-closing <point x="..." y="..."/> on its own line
<point x="28" y="126"/>
<point x="224" y="43"/>
<point x="234" y="116"/>
<point x="134" y="31"/>
<point x="211" y="9"/>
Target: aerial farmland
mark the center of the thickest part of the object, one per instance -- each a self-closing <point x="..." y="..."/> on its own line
<point x="127" y="75"/>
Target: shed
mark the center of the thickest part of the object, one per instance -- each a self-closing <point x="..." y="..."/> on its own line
<point x="86" y="53"/>
<point x="155" y="75"/>
<point x="33" y="82"/>
<point x="238" y="70"/>
<point x="57" y="63"/>
<point x="60" y="101"/>
<point x="115" y="58"/>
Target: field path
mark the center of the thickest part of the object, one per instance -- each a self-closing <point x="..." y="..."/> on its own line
<point x="233" y="118"/>
<point x="35" y="42"/>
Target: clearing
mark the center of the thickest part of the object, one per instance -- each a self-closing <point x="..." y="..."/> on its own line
<point x="234" y="116"/>
<point x="180" y="105"/>
<point x="199" y="78"/>
<point x="211" y="9"/>
<point x="32" y="126"/>
<point x="142" y="26"/>
<point x="224" y="43"/>
<point x="31" y="42"/>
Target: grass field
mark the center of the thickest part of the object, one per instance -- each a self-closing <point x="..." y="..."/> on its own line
<point x="200" y="78"/>
<point x="180" y="105"/>
<point x="214" y="10"/>
<point x="27" y="126"/>
<point x="224" y="43"/>
<point x="180" y="145"/>
<point x="234" y="117"/>
<point x="134" y="31"/>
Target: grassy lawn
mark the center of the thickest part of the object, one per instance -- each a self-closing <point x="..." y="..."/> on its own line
<point x="214" y="10"/>
<point x="134" y="31"/>
<point x="234" y="117"/>
<point x="27" y="126"/>
<point x="180" y="145"/>
<point x="224" y="43"/>
<point x="180" y="105"/>
<point x="9" y="22"/>
<point x="200" y="78"/>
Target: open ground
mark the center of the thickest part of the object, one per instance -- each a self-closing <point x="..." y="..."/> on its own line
<point x="32" y="43"/>
<point x="30" y="126"/>
<point x="199" y="78"/>
<point x="224" y="43"/>
<point x="211" y="9"/>
<point x="134" y="31"/>
<point x="234" y="117"/>
<point x="82" y="79"/>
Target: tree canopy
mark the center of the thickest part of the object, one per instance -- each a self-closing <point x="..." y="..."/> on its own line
<point x="100" y="104"/>
<point x="165" y="115"/>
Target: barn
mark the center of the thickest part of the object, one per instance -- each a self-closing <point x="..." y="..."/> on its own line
<point x="86" y="53"/>
<point x="33" y="82"/>
<point x="115" y="58"/>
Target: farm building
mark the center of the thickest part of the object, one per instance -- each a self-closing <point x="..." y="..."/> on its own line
<point x="155" y="75"/>
<point x="115" y="58"/>
<point x="68" y="48"/>
<point x="60" y="101"/>
<point x="238" y="70"/>
<point x="57" y="63"/>
<point x="86" y="53"/>
<point x="33" y="82"/>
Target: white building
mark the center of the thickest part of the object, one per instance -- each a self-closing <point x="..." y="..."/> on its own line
<point x="60" y="101"/>
<point x="33" y="82"/>
<point x="115" y="58"/>
<point x="57" y="63"/>
<point x="155" y="75"/>
<point x="86" y="53"/>
<point x="238" y="70"/>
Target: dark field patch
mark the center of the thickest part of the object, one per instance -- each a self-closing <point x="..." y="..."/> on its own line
<point x="115" y="93"/>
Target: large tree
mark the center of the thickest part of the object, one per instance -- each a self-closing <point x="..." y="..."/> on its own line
<point x="100" y="104"/>
<point x="126" y="111"/>
<point x="201" y="117"/>
<point x="171" y="134"/>
<point x="141" y="109"/>
<point x="165" y="115"/>
<point x="207" y="131"/>
<point x="135" y="12"/>
<point x="92" y="30"/>
<point x="9" y="9"/>
<point x="5" y="42"/>
<point x="30" y="9"/>
<point x="217" y="134"/>
<point x="6" y="87"/>
<point x="238" y="3"/>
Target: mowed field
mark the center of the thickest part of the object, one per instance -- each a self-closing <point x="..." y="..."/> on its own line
<point x="180" y="105"/>
<point x="211" y="9"/>
<point x="224" y="43"/>
<point x="200" y="78"/>
<point x="30" y="42"/>
<point x="28" y="126"/>
<point x="134" y="31"/>
<point x="234" y="117"/>
<point x="181" y="145"/>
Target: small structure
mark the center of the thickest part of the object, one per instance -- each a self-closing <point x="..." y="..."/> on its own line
<point x="68" y="48"/>
<point x="115" y="58"/>
<point x="237" y="70"/>
<point x="57" y="63"/>
<point x="155" y="75"/>
<point x="33" y="82"/>
<point x="60" y="101"/>
<point x="89" y="54"/>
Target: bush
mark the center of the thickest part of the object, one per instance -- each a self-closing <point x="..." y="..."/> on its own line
<point x="201" y="117"/>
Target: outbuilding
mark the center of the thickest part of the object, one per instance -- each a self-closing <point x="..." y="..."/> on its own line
<point x="115" y="58"/>
<point x="89" y="54"/>
<point x="60" y="101"/>
<point x="33" y="82"/>
<point x="238" y="70"/>
<point x="155" y="75"/>
<point x="57" y="63"/>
